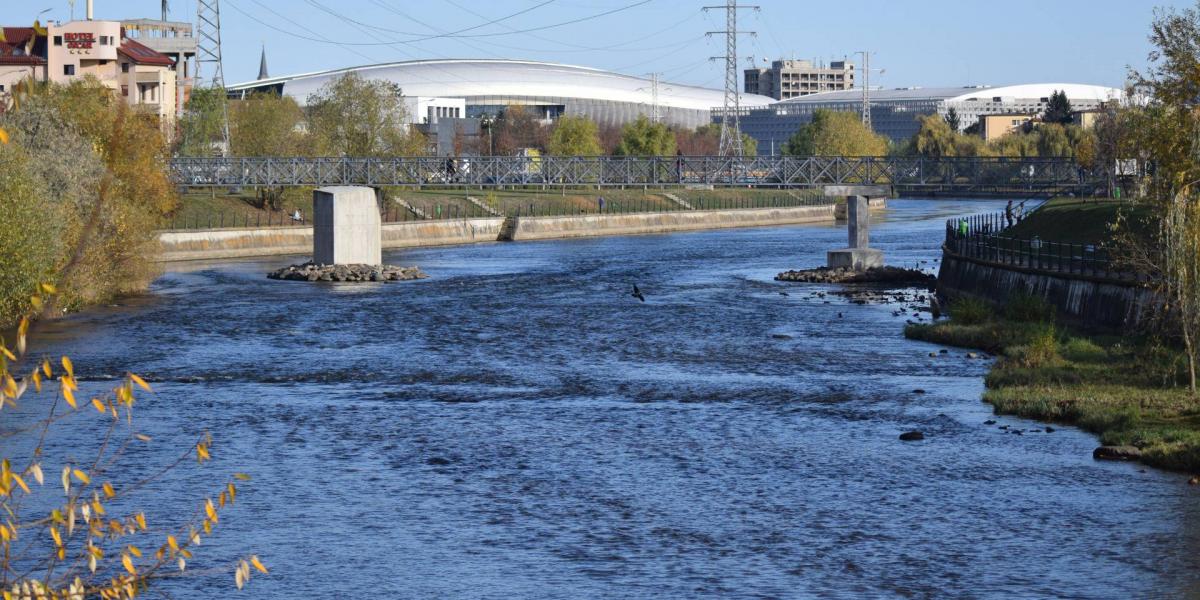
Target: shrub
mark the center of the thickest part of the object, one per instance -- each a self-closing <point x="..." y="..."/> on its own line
<point x="1083" y="350"/>
<point x="1028" y="308"/>
<point x="970" y="311"/>
<point x="1041" y="351"/>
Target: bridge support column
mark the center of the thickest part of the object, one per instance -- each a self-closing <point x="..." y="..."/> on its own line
<point x="346" y="226"/>
<point x="859" y="256"/>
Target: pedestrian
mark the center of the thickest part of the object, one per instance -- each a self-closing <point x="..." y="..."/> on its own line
<point x="601" y="202"/>
<point x="1008" y="214"/>
<point x="963" y="229"/>
<point x="1020" y="212"/>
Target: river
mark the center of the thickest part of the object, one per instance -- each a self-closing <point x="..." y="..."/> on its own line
<point x="518" y="426"/>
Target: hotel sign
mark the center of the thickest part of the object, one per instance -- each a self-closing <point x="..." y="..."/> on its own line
<point x="79" y="41"/>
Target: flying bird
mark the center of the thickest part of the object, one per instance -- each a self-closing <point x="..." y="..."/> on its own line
<point x="638" y="293"/>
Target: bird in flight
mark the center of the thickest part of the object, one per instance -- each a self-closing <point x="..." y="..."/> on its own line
<point x="638" y="293"/>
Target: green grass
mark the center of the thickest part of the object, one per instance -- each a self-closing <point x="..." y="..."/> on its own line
<point x="1077" y="220"/>
<point x="1128" y="391"/>
<point x="203" y="208"/>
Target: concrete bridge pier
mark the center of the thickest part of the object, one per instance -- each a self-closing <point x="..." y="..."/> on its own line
<point x="346" y="226"/>
<point x="858" y="256"/>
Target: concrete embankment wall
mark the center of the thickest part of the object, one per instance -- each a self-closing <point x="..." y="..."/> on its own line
<point x="240" y="243"/>
<point x="1080" y="299"/>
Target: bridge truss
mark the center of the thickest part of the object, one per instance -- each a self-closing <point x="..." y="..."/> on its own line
<point x="980" y="175"/>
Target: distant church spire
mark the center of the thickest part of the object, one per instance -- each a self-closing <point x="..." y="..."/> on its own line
<point x="262" y="65"/>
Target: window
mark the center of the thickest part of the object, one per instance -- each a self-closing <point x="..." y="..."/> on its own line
<point x="124" y="67"/>
<point x="125" y="91"/>
<point x="58" y="40"/>
<point x="103" y="62"/>
<point x="1" y="88"/>
<point x="68" y="70"/>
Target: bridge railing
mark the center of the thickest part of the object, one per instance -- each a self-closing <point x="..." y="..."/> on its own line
<point x="982" y="237"/>
<point x="1034" y="174"/>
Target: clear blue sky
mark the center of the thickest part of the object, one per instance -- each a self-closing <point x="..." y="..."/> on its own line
<point x="926" y="43"/>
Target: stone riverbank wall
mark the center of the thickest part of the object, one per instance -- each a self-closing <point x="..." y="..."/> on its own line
<point x="1089" y="301"/>
<point x="212" y="244"/>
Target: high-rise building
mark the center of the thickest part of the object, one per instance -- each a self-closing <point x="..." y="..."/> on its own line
<point x="794" y="78"/>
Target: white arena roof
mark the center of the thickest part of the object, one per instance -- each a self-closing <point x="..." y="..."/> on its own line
<point x="1075" y="91"/>
<point x="510" y="80"/>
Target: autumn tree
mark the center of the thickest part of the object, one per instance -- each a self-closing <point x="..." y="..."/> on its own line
<point x="517" y="128"/>
<point x="91" y="541"/>
<point x="267" y="124"/>
<point x="705" y="140"/>
<point x="646" y="138"/>
<point x="836" y="133"/>
<point x="107" y="165"/>
<point x="574" y="136"/>
<point x="352" y="116"/>
<point x="202" y="125"/>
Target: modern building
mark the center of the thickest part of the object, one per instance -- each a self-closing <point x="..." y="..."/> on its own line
<point x="487" y="87"/>
<point x="65" y="52"/>
<point x="173" y="39"/>
<point x="894" y="112"/>
<point x="787" y="79"/>
<point x="1002" y="124"/>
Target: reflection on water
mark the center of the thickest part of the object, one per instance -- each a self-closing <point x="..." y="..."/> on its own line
<point x="519" y="426"/>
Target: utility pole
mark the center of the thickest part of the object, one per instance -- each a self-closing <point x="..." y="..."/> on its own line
<point x="731" y="133"/>
<point x="867" y="89"/>
<point x="208" y="51"/>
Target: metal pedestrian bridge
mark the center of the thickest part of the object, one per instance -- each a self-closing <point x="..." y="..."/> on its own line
<point x="905" y="175"/>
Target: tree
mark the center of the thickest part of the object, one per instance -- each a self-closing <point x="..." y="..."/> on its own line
<point x="352" y="116"/>
<point x="705" y="140"/>
<point x="266" y="124"/>
<point x="644" y="138"/>
<point x="574" y="136"/>
<point x="110" y="165"/>
<point x="516" y="128"/>
<point x="1058" y="109"/>
<point x="835" y="133"/>
<point x="84" y="543"/>
<point x="1180" y="283"/>
<point x="952" y="120"/>
<point x="201" y="128"/>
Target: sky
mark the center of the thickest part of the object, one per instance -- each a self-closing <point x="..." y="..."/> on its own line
<point x="915" y="42"/>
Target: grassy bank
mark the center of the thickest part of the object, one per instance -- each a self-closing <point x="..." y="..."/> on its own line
<point x="1128" y="391"/>
<point x="202" y="209"/>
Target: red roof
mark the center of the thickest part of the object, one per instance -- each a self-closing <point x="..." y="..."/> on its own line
<point x="143" y="55"/>
<point x="13" y="49"/>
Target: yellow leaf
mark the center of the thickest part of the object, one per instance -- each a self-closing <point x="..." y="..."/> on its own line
<point x="66" y="480"/>
<point x="46" y="368"/>
<point x="57" y="538"/>
<point x="241" y="476"/>
<point x="21" y="482"/>
<point x="81" y="476"/>
<point x="66" y="363"/>
<point x="36" y="301"/>
<point x="232" y="493"/>
<point x="140" y="382"/>
<point x="49" y="288"/>
<point x="36" y="470"/>
<point x="258" y="565"/>
<point x="8" y="353"/>
<point x="173" y="543"/>
<point x="37" y="381"/>
<point x="141" y="520"/>
<point x="210" y="510"/>
<point x="128" y="563"/>
<point x="4" y="140"/>
<point x="135" y="551"/>
<point x="70" y="396"/>
<point x="98" y="404"/>
<point x="108" y="490"/>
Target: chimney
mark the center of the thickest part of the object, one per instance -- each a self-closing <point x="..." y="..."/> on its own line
<point x="89" y="10"/>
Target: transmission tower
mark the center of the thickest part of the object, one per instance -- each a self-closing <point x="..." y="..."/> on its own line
<point x="731" y="132"/>
<point x="656" y="113"/>
<point x="208" y="51"/>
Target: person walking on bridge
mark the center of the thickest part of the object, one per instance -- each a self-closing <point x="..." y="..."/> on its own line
<point x="1008" y="214"/>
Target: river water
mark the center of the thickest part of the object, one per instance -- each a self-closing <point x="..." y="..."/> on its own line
<point x="518" y="426"/>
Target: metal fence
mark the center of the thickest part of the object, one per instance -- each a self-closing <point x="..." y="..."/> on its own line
<point x="906" y="174"/>
<point x="982" y="237"/>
